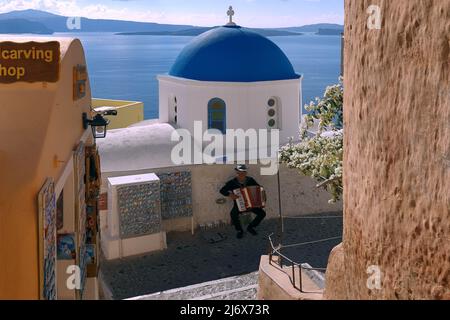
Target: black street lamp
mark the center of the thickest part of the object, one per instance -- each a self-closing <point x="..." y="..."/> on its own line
<point x="98" y="125"/>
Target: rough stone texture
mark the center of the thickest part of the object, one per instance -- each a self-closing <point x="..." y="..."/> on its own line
<point x="335" y="274"/>
<point x="397" y="152"/>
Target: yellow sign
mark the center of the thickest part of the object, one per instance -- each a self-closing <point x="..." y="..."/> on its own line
<point x="29" y="62"/>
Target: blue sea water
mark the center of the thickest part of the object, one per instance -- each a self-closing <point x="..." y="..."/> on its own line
<point x="125" y="67"/>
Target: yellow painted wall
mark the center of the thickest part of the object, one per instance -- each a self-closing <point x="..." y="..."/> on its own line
<point x="38" y="121"/>
<point x="128" y="112"/>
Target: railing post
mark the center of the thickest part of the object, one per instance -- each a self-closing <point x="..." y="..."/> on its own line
<point x="293" y="275"/>
<point x="270" y="253"/>
<point x="300" y="277"/>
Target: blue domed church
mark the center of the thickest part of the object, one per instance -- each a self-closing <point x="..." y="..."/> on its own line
<point x="232" y="78"/>
<point x="227" y="78"/>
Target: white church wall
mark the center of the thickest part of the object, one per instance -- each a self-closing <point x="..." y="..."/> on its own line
<point x="288" y="94"/>
<point x="246" y="103"/>
<point x="166" y="93"/>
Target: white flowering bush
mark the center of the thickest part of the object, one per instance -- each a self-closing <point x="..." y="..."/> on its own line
<point x="320" y="156"/>
<point x="328" y="111"/>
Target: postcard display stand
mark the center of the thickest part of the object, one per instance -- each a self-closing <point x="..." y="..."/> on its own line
<point x="176" y="195"/>
<point x="93" y="183"/>
<point x="134" y="222"/>
<point x="80" y="213"/>
<point x="78" y="246"/>
<point x="47" y="241"/>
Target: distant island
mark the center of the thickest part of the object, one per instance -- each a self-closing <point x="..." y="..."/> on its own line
<point x="314" y="28"/>
<point x="199" y="30"/>
<point x="330" y="32"/>
<point x="57" y="23"/>
<point x="41" y="22"/>
<point x="21" y="26"/>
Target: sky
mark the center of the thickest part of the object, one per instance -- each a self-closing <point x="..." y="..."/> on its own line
<point x="249" y="13"/>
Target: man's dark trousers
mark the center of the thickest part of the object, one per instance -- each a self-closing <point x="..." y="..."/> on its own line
<point x="260" y="215"/>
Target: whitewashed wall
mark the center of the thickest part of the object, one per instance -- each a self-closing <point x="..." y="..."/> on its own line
<point x="246" y="103"/>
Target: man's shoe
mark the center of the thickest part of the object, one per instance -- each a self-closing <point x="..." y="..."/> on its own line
<point x="240" y="234"/>
<point x="252" y="231"/>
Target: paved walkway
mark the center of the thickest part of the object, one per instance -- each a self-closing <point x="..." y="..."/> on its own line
<point x="234" y="288"/>
<point x="192" y="260"/>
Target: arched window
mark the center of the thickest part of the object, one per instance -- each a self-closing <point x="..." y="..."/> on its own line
<point x="217" y="115"/>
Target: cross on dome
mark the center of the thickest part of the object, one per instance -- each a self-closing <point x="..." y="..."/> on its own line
<point x="230" y="13"/>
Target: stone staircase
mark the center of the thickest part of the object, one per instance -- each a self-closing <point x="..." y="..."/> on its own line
<point x="242" y="287"/>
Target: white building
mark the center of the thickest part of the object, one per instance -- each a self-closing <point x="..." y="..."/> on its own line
<point x="232" y="78"/>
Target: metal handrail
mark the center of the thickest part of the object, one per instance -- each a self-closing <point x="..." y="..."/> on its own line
<point x="310" y="242"/>
<point x="277" y="251"/>
<point x="315" y="217"/>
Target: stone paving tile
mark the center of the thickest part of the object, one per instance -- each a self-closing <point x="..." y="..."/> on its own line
<point x="240" y="295"/>
<point x="192" y="260"/>
<point x="206" y="289"/>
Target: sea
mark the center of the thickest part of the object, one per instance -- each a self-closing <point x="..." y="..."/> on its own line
<point x="125" y="67"/>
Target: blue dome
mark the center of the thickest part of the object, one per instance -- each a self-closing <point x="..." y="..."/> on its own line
<point x="232" y="54"/>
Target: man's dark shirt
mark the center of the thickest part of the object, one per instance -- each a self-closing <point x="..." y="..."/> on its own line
<point x="235" y="184"/>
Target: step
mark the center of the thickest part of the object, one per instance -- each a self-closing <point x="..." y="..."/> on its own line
<point x="318" y="277"/>
<point x="244" y="293"/>
<point x="242" y="285"/>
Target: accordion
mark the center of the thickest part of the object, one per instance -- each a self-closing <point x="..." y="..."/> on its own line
<point x="250" y="197"/>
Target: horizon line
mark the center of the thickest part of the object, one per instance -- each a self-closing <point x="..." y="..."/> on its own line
<point x="175" y="24"/>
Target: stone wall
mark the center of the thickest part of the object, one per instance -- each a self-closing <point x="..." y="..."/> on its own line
<point x="397" y="153"/>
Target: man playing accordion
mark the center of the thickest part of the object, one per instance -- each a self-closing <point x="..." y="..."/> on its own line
<point x="230" y="189"/>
